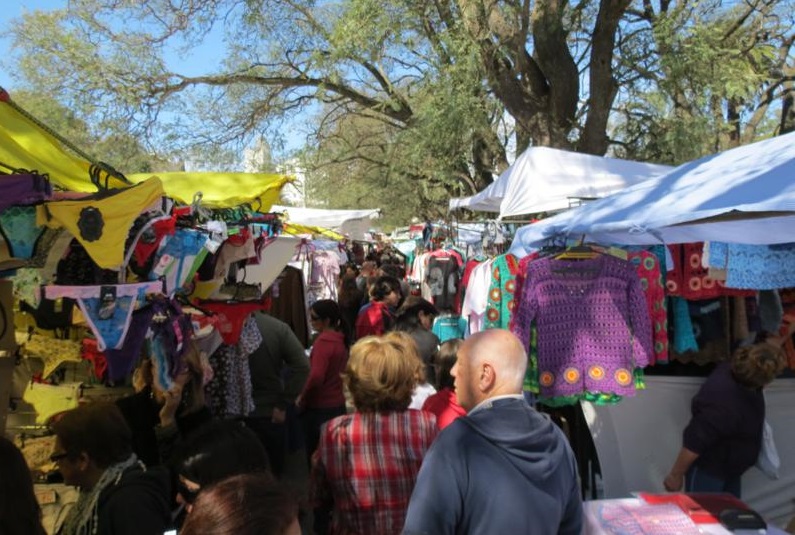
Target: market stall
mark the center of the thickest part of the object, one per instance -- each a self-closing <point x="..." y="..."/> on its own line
<point x="543" y="179"/>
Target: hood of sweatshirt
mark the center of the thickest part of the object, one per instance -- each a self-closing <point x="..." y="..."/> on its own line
<point x="532" y="442"/>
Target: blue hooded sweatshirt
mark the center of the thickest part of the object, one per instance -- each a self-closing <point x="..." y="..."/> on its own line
<point x="503" y="468"/>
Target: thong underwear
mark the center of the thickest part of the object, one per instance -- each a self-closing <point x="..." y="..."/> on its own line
<point x="102" y="222"/>
<point x="18" y="227"/>
<point x="107" y="309"/>
<point x="231" y="317"/>
<point x="171" y="332"/>
<point x="49" y="400"/>
<point x="122" y="361"/>
<point x="52" y="351"/>
<point x="24" y="189"/>
<point x="148" y="238"/>
<point x="97" y="357"/>
<point x="179" y="258"/>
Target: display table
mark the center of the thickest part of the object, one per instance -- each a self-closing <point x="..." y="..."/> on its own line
<point x="637" y="517"/>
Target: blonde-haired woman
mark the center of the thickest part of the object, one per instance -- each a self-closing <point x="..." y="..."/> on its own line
<point x="724" y="436"/>
<point x="367" y="462"/>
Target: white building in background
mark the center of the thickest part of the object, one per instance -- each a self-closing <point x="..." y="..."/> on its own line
<point x="294" y="193"/>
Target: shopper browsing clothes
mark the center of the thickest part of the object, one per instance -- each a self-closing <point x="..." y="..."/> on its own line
<point x="118" y="493"/>
<point x="724" y="436"/>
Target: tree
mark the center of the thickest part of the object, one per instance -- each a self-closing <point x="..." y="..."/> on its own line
<point x="435" y="79"/>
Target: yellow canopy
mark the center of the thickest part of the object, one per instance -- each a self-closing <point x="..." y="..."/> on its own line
<point x="295" y="229"/>
<point x="25" y="145"/>
<point x="222" y="190"/>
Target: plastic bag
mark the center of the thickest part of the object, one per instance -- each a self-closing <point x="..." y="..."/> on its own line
<point x="768" y="461"/>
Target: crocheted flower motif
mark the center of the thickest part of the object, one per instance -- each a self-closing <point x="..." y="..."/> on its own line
<point x="546" y="379"/>
<point x="708" y="283"/>
<point x="90" y="224"/>
<point x="695" y="261"/>
<point x="649" y="263"/>
<point x="495" y="294"/>
<point x="510" y="286"/>
<point x="597" y="373"/>
<point x="511" y="305"/>
<point x="571" y="375"/>
<point x="672" y="287"/>
<point x="623" y="377"/>
<point x="493" y="314"/>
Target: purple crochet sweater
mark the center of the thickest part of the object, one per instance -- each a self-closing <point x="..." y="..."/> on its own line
<point x="592" y="321"/>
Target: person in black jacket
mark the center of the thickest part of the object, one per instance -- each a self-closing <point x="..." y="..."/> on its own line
<point x="119" y="495"/>
<point x="724" y="436"/>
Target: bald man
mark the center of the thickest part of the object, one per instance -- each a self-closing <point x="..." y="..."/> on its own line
<point x="502" y="468"/>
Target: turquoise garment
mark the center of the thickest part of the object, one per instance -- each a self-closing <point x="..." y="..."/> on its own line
<point x="684" y="338"/>
<point x="449" y="327"/>
<point x="502" y="292"/>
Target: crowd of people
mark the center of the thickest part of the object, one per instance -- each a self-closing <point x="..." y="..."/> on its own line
<point x="402" y="434"/>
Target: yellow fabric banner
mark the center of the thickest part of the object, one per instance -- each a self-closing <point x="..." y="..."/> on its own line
<point x="295" y="229"/>
<point x="222" y="190"/>
<point x="24" y="145"/>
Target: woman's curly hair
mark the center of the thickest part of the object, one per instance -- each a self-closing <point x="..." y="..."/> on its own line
<point x="383" y="371"/>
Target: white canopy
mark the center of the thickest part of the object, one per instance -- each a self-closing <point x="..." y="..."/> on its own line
<point x="744" y="195"/>
<point x="487" y="200"/>
<point x="544" y="179"/>
<point x="317" y="217"/>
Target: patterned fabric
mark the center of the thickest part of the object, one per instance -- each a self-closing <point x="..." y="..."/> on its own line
<point x="640" y="519"/>
<point x="367" y="464"/>
<point x="689" y="278"/>
<point x="229" y="393"/>
<point x="593" y="325"/>
<point x="758" y="267"/>
<point x="52" y="351"/>
<point x="651" y="281"/>
<point x="502" y="292"/>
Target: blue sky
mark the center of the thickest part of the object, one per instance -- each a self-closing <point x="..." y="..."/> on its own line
<point x="209" y="54"/>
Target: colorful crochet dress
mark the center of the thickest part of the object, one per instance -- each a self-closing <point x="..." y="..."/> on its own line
<point x="593" y="325"/>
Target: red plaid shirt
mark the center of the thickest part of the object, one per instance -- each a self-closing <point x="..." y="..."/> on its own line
<point x="366" y="465"/>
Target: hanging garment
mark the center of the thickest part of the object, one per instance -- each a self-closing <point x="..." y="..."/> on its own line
<point x="107" y="309"/>
<point x="448" y="327"/>
<point x="179" y="258"/>
<point x="171" y="330"/>
<point x="23" y="189"/>
<point x="236" y="248"/>
<point x="477" y="296"/>
<point x="229" y="393"/>
<point x="502" y="292"/>
<point x="288" y="302"/>
<point x="49" y="400"/>
<point x="231" y="317"/>
<point x="325" y="273"/>
<point x="690" y="279"/>
<point x="122" y="361"/>
<point x="97" y="358"/>
<point x="442" y="278"/>
<point x="102" y="222"/>
<point x="647" y="266"/>
<point x="144" y="239"/>
<point x="52" y="351"/>
<point x="592" y="321"/>
<point x="759" y="267"/>
<point x="19" y="230"/>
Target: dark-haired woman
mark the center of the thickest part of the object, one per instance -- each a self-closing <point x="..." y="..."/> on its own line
<point x="322" y="397"/>
<point x="378" y="316"/>
<point x="20" y="513"/>
<point x="724" y="436"/>
<point x="245" y="504"/>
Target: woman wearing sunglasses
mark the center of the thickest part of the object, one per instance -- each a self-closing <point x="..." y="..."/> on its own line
<point x="322" y="397"/>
